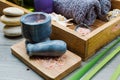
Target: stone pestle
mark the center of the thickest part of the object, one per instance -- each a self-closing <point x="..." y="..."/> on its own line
<point x="50" y="48"/>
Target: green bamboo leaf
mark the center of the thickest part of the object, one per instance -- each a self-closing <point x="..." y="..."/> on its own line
<point x="82" y="71"/>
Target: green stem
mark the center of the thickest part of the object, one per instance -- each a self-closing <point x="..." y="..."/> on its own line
<point x="101" y="64"/>
<point x="116" y="74"/>
<point x="82" y="71"/>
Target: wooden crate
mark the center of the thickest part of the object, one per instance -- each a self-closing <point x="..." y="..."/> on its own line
<point x="84" y="46"/>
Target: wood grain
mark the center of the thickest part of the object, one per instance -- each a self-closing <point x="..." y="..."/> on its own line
<point x="71" y="62"/>
<point x="115" y="4"/>
<point x="102" y="36"/>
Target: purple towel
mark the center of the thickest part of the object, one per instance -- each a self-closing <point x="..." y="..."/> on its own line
<point x="105" y="6"/>
<point x="82" y="11"/>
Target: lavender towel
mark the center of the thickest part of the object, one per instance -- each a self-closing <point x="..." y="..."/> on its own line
<point x="82" y="11"/>
<point x="105" y="6"/>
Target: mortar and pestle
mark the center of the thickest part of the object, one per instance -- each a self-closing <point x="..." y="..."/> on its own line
<point x="36" y="29"/>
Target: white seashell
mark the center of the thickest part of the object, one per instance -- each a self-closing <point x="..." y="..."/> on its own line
<point x="113" y="14"/>
<point x="60" y="19"/>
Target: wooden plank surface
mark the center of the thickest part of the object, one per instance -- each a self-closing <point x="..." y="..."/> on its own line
<point x="69" y="62"/>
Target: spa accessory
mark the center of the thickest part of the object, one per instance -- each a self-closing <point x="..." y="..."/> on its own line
<point x="82" y="71"/>
<point x="101" y="64"/>
<point x="48" y="48"/>
<point x="36" y="27"/>
<point x="11" y="19"/>
<point x="85" y="11"/>
<point x="113" y="14"/>
<point x="43" y="5"/>
<point x="61" y="19"/>
<point x="12" y="31"/>
<point x="13" y="11"/>
<point x="116" y="74"/>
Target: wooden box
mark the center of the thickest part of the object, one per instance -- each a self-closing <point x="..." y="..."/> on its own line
<point x="84" y="46"/>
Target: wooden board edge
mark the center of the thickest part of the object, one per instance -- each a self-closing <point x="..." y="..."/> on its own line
<point x="71" y="69"/>
<point x="86" y="51"/>
<point x="102" y="28"/>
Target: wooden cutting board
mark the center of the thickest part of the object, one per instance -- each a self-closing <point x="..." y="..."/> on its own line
<point x="49" y="68"/>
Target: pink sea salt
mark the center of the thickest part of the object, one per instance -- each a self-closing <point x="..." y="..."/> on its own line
<point x="83" y="31"/>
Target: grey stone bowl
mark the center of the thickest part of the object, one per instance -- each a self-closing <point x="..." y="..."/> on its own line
<point x="36" y="27"/>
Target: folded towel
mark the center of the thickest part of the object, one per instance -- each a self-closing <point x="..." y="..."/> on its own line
<point x="82" y="11"/>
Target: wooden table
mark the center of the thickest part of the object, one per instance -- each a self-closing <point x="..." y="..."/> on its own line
<point x="13" y="69"/>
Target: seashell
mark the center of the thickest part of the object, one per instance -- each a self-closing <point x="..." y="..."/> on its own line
<point x="61" y="19"/>
<point x="113" y="14"/>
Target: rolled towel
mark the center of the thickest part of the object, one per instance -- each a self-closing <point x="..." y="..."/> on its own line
<point x="105" y="6"/>
<point x="82" y="11"/>
<point x="48" y="48"/>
